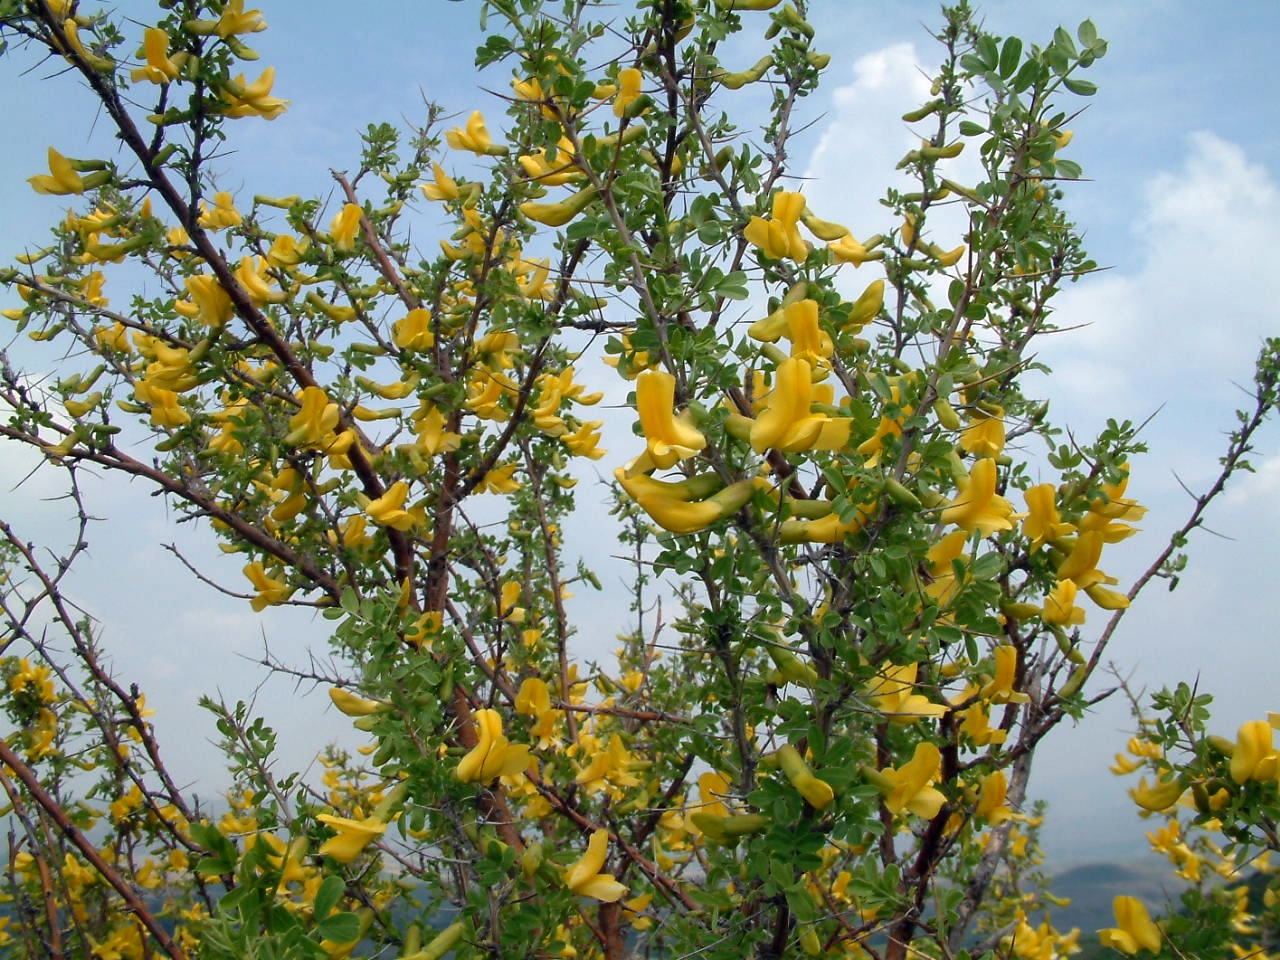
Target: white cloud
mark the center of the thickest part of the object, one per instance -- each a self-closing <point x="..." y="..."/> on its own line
<point x="1181" y="319"/>
<point x="864" y="140"/>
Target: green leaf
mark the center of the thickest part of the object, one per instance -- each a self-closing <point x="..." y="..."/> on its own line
<point x="1057" y="59"/>
<point x="1068" y="169"/>
<point x="328" y="895"/>
<point x="340" y="928"/>
<point x="987" y="566"/>
<point x="1087" y="34"/>
<point x="1010" y="57"/>
<point x="1031" y="73"/>
<point x="970" y="129"/>
<point x="1081" y="88"/>
<point x="710" y="232"/>
<point x="1062" y="40"/>
<point x="987" y="51"/>
<point x="733" y="286"/>
<point x="710" y="897"/>
<point x="214" y="866"/>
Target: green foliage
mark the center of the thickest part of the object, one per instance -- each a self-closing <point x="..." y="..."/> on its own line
<point x="825" y="749"/>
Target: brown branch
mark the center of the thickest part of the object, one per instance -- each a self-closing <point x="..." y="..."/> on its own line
<point x="89" y="851"/>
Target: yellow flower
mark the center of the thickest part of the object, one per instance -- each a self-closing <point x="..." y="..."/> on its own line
<point x="344" y="226"/>
<point x="223" y="213"/>
<point x="628" y="90"/>
<point x="270" y="590"/>
<point x="433" y="435"/>
<point x="531" y="91"/>
<point x="532" y="278"/>
<point x="910" y="786"/>
<point x="1107" y="599"/>
<point x="165" y="409"/>
<point x="252" y="275"/>
<point x="977" y="726"/>
<point x="670" y="438"/>
<point x="160" y="68"/>
<point x="235" y="19"/>
<point x="635" y="908"/>
<point x="1059" y="606"/>
<point x="287" y="251"/>
<point x="351" y="705"/>
<point x="388" y="510"/>
<point x="534" y="700"/>
<point x="474" y="138"/>
<point x="1123" y="765"/>
<point x="1081" y="565"/>
<point x="985" y="436"/>
<point x="787" y="422"/>
<point x="1135" y="930"/>
<point x="554" y="171"/>
<point x="71" y="29"/>
<point x="1161" y="795"/>
<point x="943" y="586"/>
<point x="444" y="187"/>
<point x="977" y="506"/>
<point x="1114" y="505"/>
<point x="672" y="507"/>
<point x="584" y="877"/>
<point x="171" y="369"/>
<point x="208" y="302"/>
<point x="61" y="180"/>
<point x="891" y="692"/>
<point x="609" y="769"/>
<point x="254" y="99"/>
<point x="713" y="787"/>
<point x="873" y="446"/>
<point x="509" y="608"/>
<point x="1141" y="747"/>
<point x="353" y="836"/>
<point x="1043" y="522"/>
<point x="1254" y="757"/>
<point x="1000" y="688"/>
<point x="413" y="331"/>
<point x="991" y="806"/>
<point x="500" y="480"/>
<point x="779" y="237"/>
<point x="808" y="340"/>
<point x="585" y="441"/>
<point x="816" y="792"/>
<point x="493" y="755"/>
<point x="314" y="421"/>
<point x="849" y="250"/>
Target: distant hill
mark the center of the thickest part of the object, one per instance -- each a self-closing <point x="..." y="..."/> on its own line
<point x="1093" y="887"/>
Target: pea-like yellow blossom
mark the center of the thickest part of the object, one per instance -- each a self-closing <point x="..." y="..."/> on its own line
<point x="1134" y="928"/>
<point x="910" y="787"/>
<point x="352" y="836"/>
<point x="493" y="755"/>
<point x="271" y="590"/>
<point x="779" y="236"/>
<point x="159" y="67"/>
<point x="475" y="137"/>
<point x="388" y="510"/>
<point x="977" y="506"/>
<point x="344" y="227"/>
<point x="584" y="877"/>
<point x="253" y="99"/>
<point x="670" y="437"/>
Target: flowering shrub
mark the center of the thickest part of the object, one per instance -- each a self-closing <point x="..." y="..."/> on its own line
<point x="885" y="602"/>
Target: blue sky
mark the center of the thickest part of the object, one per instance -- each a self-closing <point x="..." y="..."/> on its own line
<point x="1183" y="150"/>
